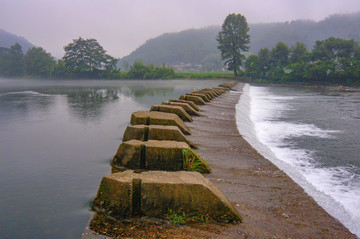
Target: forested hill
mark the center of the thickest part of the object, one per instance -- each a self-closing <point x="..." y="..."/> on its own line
<point x="8" y="39"/>
<point x="198" y="46"/>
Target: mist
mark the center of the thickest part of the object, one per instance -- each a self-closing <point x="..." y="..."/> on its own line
<point x="121" y="26"/>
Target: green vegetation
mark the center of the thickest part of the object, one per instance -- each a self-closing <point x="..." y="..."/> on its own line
<point x="232" y="40"/>
<point x="12" y="61"/>
<point x="332" y="61"/>
<point x="38" y="63"/>
<point x="84" y="58"/>
<point x="203" y="75"/>
<point x="183" y="218"/>
<point x="175" y="217"/>
<point x="193" y="162"/>
<point x="149" y="71"/>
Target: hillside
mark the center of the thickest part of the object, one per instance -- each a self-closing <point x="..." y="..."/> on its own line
<point x="8" y="39"/>
<point x="199" y="47"/>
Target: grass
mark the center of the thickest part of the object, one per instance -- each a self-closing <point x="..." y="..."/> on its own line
<point x="203" y="75"/>
<point x="176" y="218"/>
<point x="193" y="162"/>
<point x="182" y="218"/>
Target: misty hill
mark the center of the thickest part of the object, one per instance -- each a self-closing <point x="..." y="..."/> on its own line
<point x="198" y="46"/>
<point x="8" y="39"/>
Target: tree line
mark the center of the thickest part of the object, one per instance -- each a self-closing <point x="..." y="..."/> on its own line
<point x="333" y="60"/>
<point x="84" y="58"/>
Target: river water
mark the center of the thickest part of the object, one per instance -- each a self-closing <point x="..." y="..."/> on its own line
<point x="314" y="136"/>
<point x="57" y="139"/>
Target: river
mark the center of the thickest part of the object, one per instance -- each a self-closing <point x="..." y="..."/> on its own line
<point x="313" y="135"/>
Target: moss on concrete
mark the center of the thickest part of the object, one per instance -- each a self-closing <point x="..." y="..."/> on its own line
<point x="158" y="118"/>
<point x="178" y="110"/>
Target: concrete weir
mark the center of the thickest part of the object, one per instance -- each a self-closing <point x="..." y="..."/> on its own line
<point x="178" y="110"/>
<point x="153" y="193"/>
<point x="158" y="118"/>
<point x="156" y="141"/>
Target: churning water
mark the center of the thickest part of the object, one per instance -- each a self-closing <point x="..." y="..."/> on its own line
<point x="312" y="135"/>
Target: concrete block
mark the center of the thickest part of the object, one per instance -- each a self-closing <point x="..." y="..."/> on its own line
<point x="192" y="104"/>
<point x="154" y="193"/>
<point x="178" y="110"/>
<point x="156" y="132"/>
<point x="203" y="96"/>
<point x="196" y="99"/>
<point x="152" y="154"/>
<point x="190" y="110"/>
<point x="158" y="118"/>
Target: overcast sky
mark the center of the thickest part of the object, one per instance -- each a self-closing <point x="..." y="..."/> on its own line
<point x="121" y="26"/>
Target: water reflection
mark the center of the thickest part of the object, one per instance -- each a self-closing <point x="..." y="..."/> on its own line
<point x="19" y="105"/>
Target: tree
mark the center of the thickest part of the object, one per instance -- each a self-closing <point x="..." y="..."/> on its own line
<point x="264" y="61"/>
<point x="38" y="62"/>
<point x="252" y="66"/>
<point x="338" y="54"/>
<point x="12" y="61"/>
<point x="298" y="53"/>
<point x="87" y="58"/>
<point x="279" y="55"/>
<point x="232" y="40"/>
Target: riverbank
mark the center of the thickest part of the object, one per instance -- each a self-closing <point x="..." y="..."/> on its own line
<point x="271" y="204"/>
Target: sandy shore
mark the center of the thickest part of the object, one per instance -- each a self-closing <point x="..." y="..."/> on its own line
<point x="272" y="204"/>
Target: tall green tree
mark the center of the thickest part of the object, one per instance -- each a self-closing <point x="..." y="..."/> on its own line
<point x="279" y="55"/>
<point x="87" y="58"/>
<point x="12" y="61"/>
<point x="252" y="66"/>
<point x="264" y="61"/>
<point x="38" y="62"/>
<point x="233" y="39"/>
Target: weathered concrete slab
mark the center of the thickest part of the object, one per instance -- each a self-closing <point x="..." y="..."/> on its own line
<point x="190" y="110"/>
<point x="158" y="118"/>
<point x="152" y="154"/>
<point x="196" y="99"/>
<point x="229" y="85"/>
<point x="203" y="96"/>
<point x="214" y="92"/>
<point x="154" y="193"/>
<point x="156" y="132"/>
<point x="178" y="110"/>
<point x="192" y="104"/>
<point x="210" y="94"/>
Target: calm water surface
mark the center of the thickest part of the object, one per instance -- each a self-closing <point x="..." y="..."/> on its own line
<point x="57" y="139"/>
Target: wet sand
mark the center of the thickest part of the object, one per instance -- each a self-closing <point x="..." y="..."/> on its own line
<point x="271" y="203"/>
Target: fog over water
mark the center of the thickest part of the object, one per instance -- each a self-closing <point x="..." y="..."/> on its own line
<point x="121" y="26"/>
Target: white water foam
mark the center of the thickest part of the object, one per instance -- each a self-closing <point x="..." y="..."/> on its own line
<point x="333" y="188"/>
<point x="29" y="92"/>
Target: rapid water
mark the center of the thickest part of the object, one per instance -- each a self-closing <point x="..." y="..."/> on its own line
<point x="312" y="135"/>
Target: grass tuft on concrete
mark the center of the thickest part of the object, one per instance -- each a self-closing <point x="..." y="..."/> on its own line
<point x="193" y="162"/>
